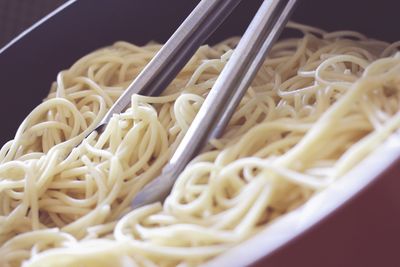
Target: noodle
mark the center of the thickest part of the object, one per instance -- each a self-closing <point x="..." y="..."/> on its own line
<point x="318" y="106"/>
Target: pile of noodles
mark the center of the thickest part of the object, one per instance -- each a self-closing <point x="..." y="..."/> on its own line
<point x="318" y="106"/>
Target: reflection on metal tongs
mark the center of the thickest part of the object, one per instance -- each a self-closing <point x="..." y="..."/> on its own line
<point x="225" y="95"/>
<point x="227" y="91"/>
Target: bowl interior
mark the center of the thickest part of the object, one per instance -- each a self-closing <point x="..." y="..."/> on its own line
<point x="30" y="64"/>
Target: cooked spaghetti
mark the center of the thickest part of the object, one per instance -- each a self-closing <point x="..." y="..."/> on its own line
<point x="318" y="106"/>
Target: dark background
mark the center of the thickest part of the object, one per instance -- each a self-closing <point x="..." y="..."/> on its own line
<point x="17" y="15"/>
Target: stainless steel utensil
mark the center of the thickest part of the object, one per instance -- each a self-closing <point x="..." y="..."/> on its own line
<point x="176" y="52"/>
<point x="225" y="95"/>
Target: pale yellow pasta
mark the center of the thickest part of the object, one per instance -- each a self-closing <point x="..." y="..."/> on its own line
<point x="318" y="106"/>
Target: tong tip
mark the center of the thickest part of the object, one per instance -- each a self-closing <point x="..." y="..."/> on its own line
<point x="156" y="191"/>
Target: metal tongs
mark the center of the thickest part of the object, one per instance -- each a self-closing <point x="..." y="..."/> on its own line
<point x="227" y="91"/>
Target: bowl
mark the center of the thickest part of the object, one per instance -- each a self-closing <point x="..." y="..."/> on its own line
<point x="362" y="229"/>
